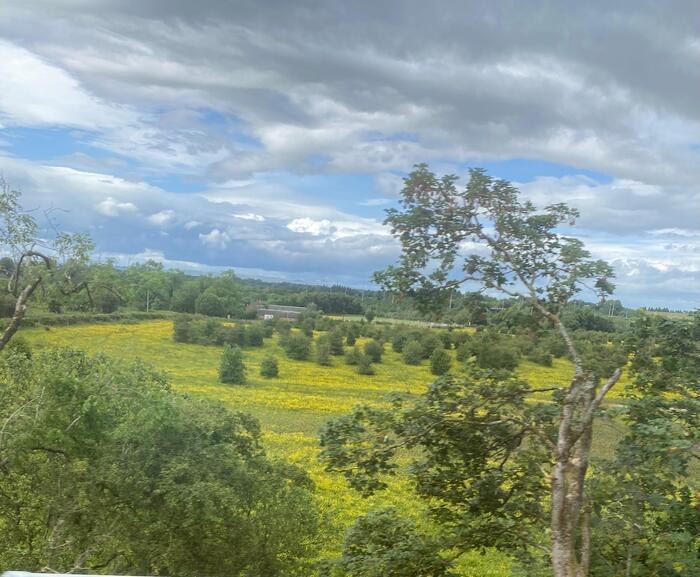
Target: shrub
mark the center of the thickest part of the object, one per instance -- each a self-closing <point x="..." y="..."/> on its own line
<point x="323" y="352"/>
<point x="464" y="351"/>
<point x="335" y="342"/>
<point x="374" y="350"/>
<point x="269" y="367"/>
<point x="232" y="370"/>
<point x="297" y="346"/>
<point x="307" y="326"/>
<point x="399" y="341"/>
<point x="181" y="329"/>
<point x="495" y="355"/>
<point x="18" y="345"/>
<point x="430" y="342"/>
<point x="254" y="336"/>
<point x="353" y="356"/>
<point x="446" y="338"/>
<point x="412" y="353"/>
<point x="364" y="364"/>
<point x="540" y="356"/>
<point x="440" y="362"/>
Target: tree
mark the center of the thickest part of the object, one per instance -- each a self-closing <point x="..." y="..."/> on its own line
<point x="364" y="364"/>
<point x="127" y="476"/>
<point x="523" y="256"/>
<point x="232" y="370"/>
<point x="35" y="260"/>
<point x="374" y="350"/>
<point x="370" y="315"/>
<point x="323" y="352"/>
<point x="337" y="345"/>
<point x="269" y="368"/>
<point x="412" y="353"/>
<point x="383" y="544"/>
<point x="440" y="362"/>
<point x="297" y="346"/>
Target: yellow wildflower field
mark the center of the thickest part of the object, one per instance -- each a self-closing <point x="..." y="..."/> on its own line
<point x="291" y="408"/>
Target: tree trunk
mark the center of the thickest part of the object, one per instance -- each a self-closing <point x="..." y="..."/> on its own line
<point x="20" y="311"/>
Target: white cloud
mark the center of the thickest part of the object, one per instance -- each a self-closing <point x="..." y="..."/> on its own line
<point x="162" y="217"/>
<point x="111" y="207"/>
<point x="215" y="238"/>
<point x="250" y="216"/>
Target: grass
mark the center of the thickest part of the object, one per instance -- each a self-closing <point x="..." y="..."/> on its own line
<point x="292" y="407"/>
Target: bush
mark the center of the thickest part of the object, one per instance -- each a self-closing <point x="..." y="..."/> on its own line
<point x="399" y="341"/>
<point x="18" y="345"/>
<point x="374" y="350"/>
<point x="430" y="342"/>
<point x="232" y="370"/>
<point x="495" y="355"/>
<point x="254" y="336"/>
<point x="181" y="329"/>
<point x="323" y="352"/>
<point x="364" y="364"/>
<point x="307" y="326"/>
<point x="269" y="367"/>
<point x="335" y="342"/>
<point x="440" y="362"/>
<point x="353" y="356"/>
<point x="297" y="346"/>
<point x="412" y="353"/>
<point x="464" y="352"/>
<point x="540" y="357"/>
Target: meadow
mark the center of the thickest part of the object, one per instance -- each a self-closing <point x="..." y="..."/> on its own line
<point x="292" y="407"/>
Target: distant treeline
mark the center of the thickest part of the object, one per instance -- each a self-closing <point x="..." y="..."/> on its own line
<point x="150" y="288"/>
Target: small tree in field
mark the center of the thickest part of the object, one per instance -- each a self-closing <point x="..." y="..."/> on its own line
<point x="374" y="350"/>
<point x="323" y="352"/>
<point x="440" y="362"/>
<point x="232" y="370"/>
<point x="269" y="367"/>
<point x="522" y="254"/>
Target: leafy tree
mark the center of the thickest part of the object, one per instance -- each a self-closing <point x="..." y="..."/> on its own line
<point x="126" y="476"/>
<point x="440" y="362"/>
<point x="254" y="336"/>
<point x="430" y="341"/>
<point x="232" y="370"/>
<point x="297" y="346"/>
<point x="383" y="544"/>
<point x="323" y="352"/>
<point x="412" y="353"/>
<point x="525" y="257"/>
<point x="269" y="368"/>
<point x="335" y="339"/>
<point x="185" y="297"/>
<point x="35" y="261"/>
<point x="364" y="364"/>
<point x="182" y="327"/>
<point x="210" y="304"/>
<point x="374" y="350"/>
<point x="353" y="356"/>
<point x="370" y="316"/>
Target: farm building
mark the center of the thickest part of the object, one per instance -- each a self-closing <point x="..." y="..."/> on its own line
<point x="269" y="312"/>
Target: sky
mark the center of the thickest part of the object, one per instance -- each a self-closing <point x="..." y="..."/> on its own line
<point x="270" y="136"/>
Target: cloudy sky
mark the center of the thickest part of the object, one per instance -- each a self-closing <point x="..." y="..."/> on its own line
<point x="270" y="136"/>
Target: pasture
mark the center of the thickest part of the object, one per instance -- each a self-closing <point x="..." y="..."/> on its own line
<point x="292" y="407"/>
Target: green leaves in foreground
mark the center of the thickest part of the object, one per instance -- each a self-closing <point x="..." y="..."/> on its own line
<point x="103" y="468"/>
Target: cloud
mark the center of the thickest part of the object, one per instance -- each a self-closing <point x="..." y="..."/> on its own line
<point x="111" y="207"/>
<point x="162" y="217"/>
<point x="215" y="239"/>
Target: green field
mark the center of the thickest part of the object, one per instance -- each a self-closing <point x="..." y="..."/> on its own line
<point x="292" y="407"/>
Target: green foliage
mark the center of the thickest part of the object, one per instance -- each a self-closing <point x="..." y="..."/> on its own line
<point x="125" y="476"/>
<point x="182" y="326"/>
<point x="297" y="346"/>
<point x="412" y="353"/>
<point x="335" y="341"/>
<point x="370" y="315"/>
<point x="323" y="352"/>
<point x="374" y="350"/>
<point x="353" y="356"/>
<point x="586" y="319"/>
<point x="464" y="352"/>
<point x="384" y="544"/>
<point x="440" y="362"/>
<point x="269" y="368"/>
<point x="232" y="370"/>
<point x="364" y="364"/>
<point x="429" y="342"/>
